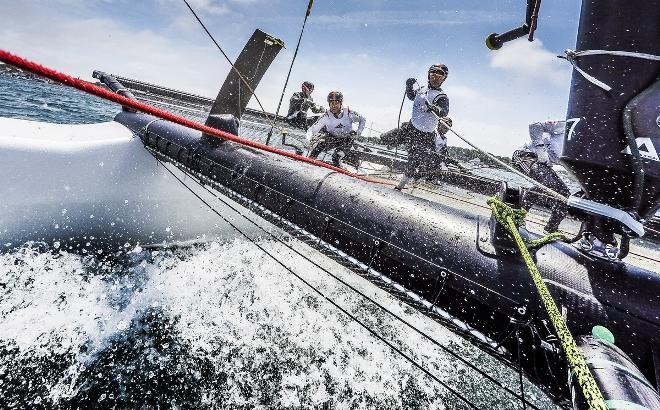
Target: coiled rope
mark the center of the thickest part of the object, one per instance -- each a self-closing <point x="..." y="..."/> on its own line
<point x="511" y="219"/>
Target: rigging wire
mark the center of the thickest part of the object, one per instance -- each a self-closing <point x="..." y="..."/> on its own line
<point x="469" y="364"/>
<point x="265" y="113"/>
<point x="308" y="284"/>
<point x="403" y="100"/>
<point x="492" y="354"/>
<point x="295" y="54"/>
<point x="363" y="295"/>
<point x="552" y="192"/>
<point x="371" y="235"/>
<point x="531" y="220"/>
<point x="520" y="372"/>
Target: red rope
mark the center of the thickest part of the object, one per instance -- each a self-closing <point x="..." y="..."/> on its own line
<point x="136" y="105"/>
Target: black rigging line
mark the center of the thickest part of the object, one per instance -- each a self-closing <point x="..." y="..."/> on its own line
<point x="230" y="63"/>
<point x="351" y="316"/>
<point x="398" y="318"/>
<point x="362" y="231"/>
<point x="320" y="212"/>
<point x="363" y="295"/>
<point x="309" y="10"/>
<point x="403" y="100"/>
<point x="520" y="371"/>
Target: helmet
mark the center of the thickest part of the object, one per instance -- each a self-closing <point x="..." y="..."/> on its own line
<point x="439" y="68"/>
<point x="336" y="95"/>
<point x="308" y="84"/>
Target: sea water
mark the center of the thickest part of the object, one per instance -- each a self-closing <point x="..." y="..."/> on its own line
<point x="216" y="325"/>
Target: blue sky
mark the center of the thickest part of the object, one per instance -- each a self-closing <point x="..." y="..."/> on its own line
<point x="365" y="48"/>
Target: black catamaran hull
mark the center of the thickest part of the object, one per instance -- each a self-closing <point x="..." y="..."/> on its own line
<point x="447" y="262"/>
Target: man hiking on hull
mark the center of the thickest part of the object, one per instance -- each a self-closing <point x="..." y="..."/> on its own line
<point x="430" y="104"/>
<point x="536" y="160"/>
<point x="299" y="103"/>
<point x="334" y="129"/>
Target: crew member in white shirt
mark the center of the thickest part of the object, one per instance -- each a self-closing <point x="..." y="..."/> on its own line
<point x="536" y="159"/>
<point x="334" y="129"/>
<point x="430" y="104"/>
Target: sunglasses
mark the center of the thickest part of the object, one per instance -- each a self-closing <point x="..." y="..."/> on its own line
<point x="331" y="101"/>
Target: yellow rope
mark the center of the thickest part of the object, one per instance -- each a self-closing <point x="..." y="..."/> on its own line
<point x="511" y="219"/>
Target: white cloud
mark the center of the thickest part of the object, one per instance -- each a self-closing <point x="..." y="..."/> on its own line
<point x="463" y="92"/>
<point x="530" y="60"/>
<point x="210" y="7"/>
<point x="78" y="46"/>
<point x="373" y="81"/>
<point x="497" y="137"/>
<point x="411" y="18"/>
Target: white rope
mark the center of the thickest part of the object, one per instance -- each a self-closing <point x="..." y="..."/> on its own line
<point x="552" y="192"/>
<point x="572" y="56"/>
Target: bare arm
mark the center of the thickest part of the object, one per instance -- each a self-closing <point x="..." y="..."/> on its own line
<point x="316" y="127"/>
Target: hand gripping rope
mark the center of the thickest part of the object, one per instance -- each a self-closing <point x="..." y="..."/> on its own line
<point x="511" y="219"/>
<point x="127" y="102"/>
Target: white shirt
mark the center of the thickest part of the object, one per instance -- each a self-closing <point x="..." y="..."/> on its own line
<point x="422" y="118"/>
<point x="338" y="126"/>
<point x="547" y="140"/>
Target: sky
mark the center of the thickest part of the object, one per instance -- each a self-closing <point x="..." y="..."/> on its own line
<point x="364" y="48"/>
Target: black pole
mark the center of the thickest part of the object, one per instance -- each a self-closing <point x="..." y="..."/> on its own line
<point x="279" y="105"/>
<point x="595" y="142"/>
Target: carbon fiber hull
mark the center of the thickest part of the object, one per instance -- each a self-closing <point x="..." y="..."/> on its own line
<point x="439" y="251"/>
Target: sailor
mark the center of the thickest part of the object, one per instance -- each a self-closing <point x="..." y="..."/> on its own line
<point x="430" y="104"/>
<point x="536" y="159"/>
<point x="334" y="129"/>
<point x="299" y="103"/>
